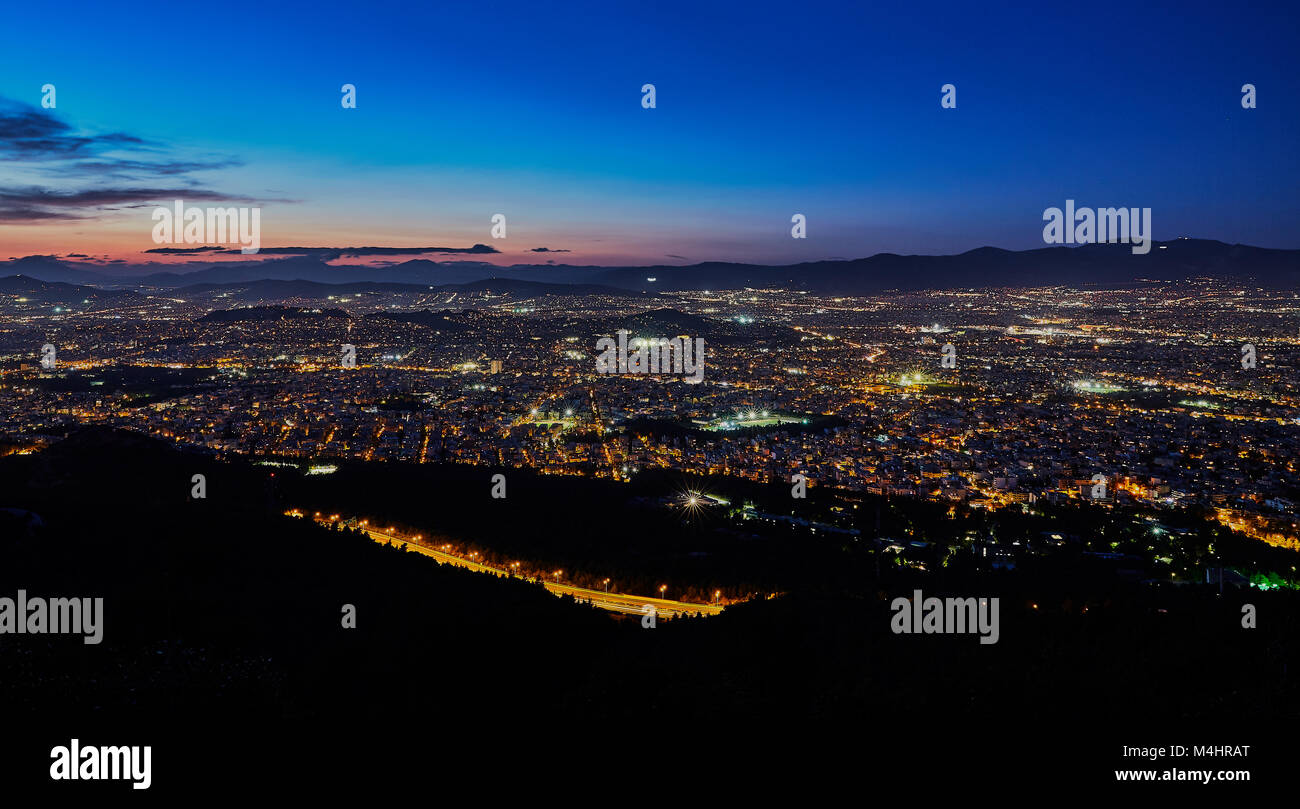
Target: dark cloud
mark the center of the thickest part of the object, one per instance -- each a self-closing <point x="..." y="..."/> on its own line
<point x="39" y="140"/>
<point x="171" y="251"/>
<point x="35" y="203"/>
<point x="679" y="258"/>
<point x="28" y="133"/>
<point x="139" y="168"/>
<point x="548" y="250"/>
<point x="20" y="213"/>
<point x="327" y="253"/>
<point x="396" y="251"/>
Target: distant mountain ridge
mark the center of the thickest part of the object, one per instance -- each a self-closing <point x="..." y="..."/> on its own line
<point x="39" y="291"/>
<point x="47" y="268"/>
<point x="1174" y="260"/>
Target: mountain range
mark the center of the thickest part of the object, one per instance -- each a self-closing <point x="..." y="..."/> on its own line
<point x="1106" y="264"/>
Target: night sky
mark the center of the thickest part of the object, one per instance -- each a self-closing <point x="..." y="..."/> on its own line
<point x="534" y="111"/>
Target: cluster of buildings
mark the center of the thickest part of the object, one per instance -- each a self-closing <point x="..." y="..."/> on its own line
<point x="1047" y="393"/>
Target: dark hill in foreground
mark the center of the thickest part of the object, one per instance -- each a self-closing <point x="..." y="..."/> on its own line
<point x="223" y="649"/>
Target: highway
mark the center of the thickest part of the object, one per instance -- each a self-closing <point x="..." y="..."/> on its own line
<point x="614" y="602"/>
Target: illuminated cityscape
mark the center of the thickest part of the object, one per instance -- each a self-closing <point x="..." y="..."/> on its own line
<point x="681" y="398"/>
<point x="1143" y="386"/>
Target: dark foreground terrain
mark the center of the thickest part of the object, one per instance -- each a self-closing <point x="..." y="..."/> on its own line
<point x="223" y="649"/>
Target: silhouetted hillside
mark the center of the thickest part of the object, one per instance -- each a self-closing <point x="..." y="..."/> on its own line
<point x="259" y="314"/>
<point x="221" y="615"/>
<point x="56" y="292"/>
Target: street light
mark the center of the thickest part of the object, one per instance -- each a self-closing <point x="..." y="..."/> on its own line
<point x="606" y="585"/>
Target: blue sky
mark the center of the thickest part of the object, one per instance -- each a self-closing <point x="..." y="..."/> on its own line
<point x="763" y="110"/>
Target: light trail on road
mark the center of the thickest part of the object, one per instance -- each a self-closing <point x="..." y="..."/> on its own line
<point x="614" y="602"/>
